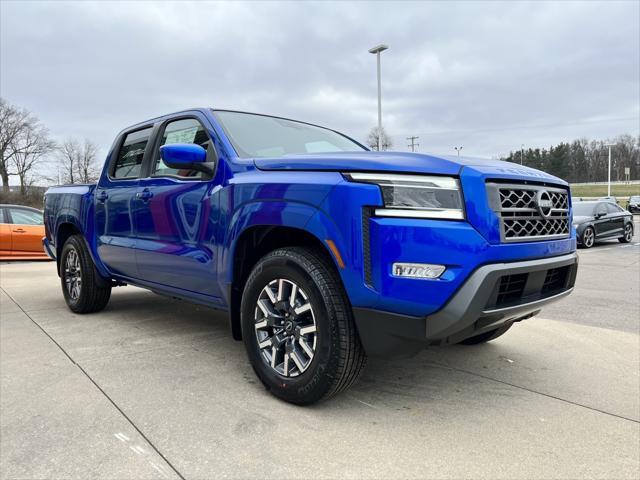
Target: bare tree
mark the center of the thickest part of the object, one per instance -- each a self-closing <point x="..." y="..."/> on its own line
<point x="77" y="161"/>
<point x="13" y="123"/>
<point x="28" y="149"/>
<point x="372" y="139"/>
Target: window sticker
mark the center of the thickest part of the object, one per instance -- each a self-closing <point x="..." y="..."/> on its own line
<point x="186" y="135"/>
<point x="321" y="146"/>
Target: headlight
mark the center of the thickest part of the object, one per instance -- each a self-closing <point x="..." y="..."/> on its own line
<point x="421" y="196"/>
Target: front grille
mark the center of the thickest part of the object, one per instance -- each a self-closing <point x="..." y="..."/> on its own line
<point x="530" y="212"/>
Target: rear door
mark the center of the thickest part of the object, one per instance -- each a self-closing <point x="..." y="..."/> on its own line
<point x="616" y="219"/>
<point x="176" y="215"/>
<point x="115" y="202"/>
<point x="27" y="230"/>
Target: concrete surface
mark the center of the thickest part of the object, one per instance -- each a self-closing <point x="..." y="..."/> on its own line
<point x="156" y="388"/>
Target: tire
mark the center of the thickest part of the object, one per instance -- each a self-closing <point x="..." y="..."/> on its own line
<point x="85" y="295"/>
<point x="588" y="237"/>
<point x="332" y="357"/>
<point x="486" y="336"/>
<point x="628" y="234"/>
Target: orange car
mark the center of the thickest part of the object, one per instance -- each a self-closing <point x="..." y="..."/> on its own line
<point x="21" y="232"/>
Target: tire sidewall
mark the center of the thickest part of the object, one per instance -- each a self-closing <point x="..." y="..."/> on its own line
<point x="311" y="384"/>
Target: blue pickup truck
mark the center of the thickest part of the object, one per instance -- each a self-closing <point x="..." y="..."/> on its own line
<point x="322" y="252"/>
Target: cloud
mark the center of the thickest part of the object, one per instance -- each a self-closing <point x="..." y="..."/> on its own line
<point x="487" y="75"/>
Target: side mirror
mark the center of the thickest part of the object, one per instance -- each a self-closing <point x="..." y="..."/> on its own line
<point x="600" y="215"/>
<point x="185" y="156"/>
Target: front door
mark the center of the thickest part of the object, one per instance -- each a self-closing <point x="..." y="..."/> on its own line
<point x="115" y="199"/>
<point x="176" y="217"/>
<point x="602" y="223"/>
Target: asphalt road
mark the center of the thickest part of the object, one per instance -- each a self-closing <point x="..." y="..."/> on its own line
<point x="607" y="290"/>
<point x="156" y="388"/>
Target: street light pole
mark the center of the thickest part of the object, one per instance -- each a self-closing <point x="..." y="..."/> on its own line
<point x="521" y="154"/>
<point x="609" y="176"/>
<point x="457" y="149"/>
<point x="377" y="50"/>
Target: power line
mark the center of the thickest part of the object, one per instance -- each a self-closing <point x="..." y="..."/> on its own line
<point x="524" y="127"/>
<point x="413" y="145"/>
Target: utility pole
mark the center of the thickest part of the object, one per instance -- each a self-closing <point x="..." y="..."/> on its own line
<point x="457" y="149"/>
<point x="609" y="180"/>
<point x="413" y="145"/>
<point x="376" y="51"/>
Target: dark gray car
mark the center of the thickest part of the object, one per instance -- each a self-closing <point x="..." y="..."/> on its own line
<point x="601" y="220"/>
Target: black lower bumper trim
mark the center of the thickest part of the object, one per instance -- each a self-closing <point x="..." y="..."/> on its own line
<point x="386" y="334"/>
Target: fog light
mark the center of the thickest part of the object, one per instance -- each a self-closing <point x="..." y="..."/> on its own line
<point x="417" y="270"/>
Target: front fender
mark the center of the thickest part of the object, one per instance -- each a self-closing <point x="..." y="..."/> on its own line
<point x="280" y="214"/>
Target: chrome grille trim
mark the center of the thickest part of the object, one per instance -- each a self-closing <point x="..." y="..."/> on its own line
<point x="520" y="218"/>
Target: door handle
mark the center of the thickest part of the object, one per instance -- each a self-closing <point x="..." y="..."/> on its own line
<point x="144" y="194"/>
<point x="19" y="230"/>
<point x="102" y="196"/>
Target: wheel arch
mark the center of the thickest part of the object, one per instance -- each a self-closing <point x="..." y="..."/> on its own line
<point x="64" y="231"/>
<point x="255" y="242"/>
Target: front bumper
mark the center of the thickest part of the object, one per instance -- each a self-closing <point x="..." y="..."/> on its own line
<point x="494" y="295"/>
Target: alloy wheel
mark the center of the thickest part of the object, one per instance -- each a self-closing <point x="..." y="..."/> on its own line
<point x="588" y="238"/>
<point x="628" y="233"/>
<point x="72" y="274"/>
<point x="285" y="327"/>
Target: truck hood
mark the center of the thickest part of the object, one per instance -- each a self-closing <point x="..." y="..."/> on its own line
<point x="400" y="162"/>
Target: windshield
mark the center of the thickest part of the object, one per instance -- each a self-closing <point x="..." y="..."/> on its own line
<point x="635" y="198"/>
<point x="583" y="209"/>
<point x="261" y="136"/>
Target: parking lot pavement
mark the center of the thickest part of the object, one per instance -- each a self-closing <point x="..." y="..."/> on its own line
<point x="156" y="388"/>
<point x="607" y="290"/>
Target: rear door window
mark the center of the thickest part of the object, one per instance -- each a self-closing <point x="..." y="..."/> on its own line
<point x="611" y="208"/>
<point x="128" y="164"/>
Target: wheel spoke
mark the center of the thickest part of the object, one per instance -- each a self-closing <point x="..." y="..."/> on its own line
<point x="305" y="346"/>
<point x="292" y="298"/>
<point x="303" y="308"/>
<point x="280" y="289"/>
<point x="307" y="330"/>
<point x="265" y="343"/>
<point x="285" y="366"/>
<point x="262" y="304"/>
<point x="297" y="361"/>
<point x="271" y="295"/>
<point x="263" y="324"/>
<point x="274" y="354"/>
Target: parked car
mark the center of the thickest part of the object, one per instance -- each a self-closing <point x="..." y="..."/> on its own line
<point x="21" y="233"/>
<point x="322" y="251"/>
<point x="610" y="198"/>
<point x="601" y="220"/>
<point x="634" y="204"/>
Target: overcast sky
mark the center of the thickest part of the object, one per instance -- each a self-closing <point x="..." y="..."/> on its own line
<point x="489" y="76"/>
